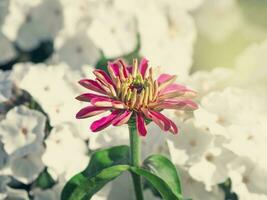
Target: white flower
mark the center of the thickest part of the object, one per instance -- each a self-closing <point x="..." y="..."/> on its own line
<point x="205" y="82"/>
<point x="114" y="33"/>
<point x="54" y="90"/>
<point x="207" y="19"/>
<point x="5" y="86"/>
<point x="22" y="131"/>
<point x="248" y="141"/>
<point x="211" y="169"/>
<point x="76" y="50"/>
<point x="196" y="190"/>
<point x="30" y="23"/>
<point x="191" y="143"/>
<point x="7" y="50"/>
<point x="248" y="180"/>
<point x="154" y="142"/>
<point x="111" y="136"/>
<point x="66" y="154"/>
<point x="167" y="38"/>
<point x="27" y="168"/>
<point x="232" y="106"/>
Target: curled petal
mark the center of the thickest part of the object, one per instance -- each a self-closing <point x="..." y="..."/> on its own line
<point x="88" y="96"/>
<point x="173" y="128"/>
<point x="122" y="119"/>
<point x="92" y="85"/>
<point x="103" y="76"/>
<point x="104" y="122"/>
<point x="143" y="67"/>
<point x="91" y="111"/>
<point x="115" y="67"/>
<point x="169" y="125"/>
<point x="140" y="124"/>
<point x="157" y="116"/>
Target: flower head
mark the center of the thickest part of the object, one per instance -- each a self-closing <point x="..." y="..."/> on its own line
<point x="130" y="92"/>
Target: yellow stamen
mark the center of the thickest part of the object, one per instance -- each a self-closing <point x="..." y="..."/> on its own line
<point x="135" y="67"/>
<point x="150" y="98"/>
<point x="140" y="99"/>
<point x="121" y="74"/>
<point x="133" y="98"/>
<point x="145" y="101"/>
<point x="111" y="73"/>
<point x="128" y="96"/>
<point x="113" y="91"/>
<point x="155" y="90"/>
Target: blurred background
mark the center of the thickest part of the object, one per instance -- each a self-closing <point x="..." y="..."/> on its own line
<point x="216" y="47"/>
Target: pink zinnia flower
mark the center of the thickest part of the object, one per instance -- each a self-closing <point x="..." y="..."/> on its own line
<point x="130" y="92"/>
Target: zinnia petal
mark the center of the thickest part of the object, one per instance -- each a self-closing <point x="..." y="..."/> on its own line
<point x="103" y="76"/>
<point x="92" y="85"/>
<point x="88" y="96"/>
<point x="123" y="118"/>
<point x="91" y="111"/>
<point x="143" y="66"/>
<point x="158" y="116"/>
<point x="164" y="78"/>
<point x="179" y="104"/>
<point x="104" y="122"/>
<point x="107" y="102"/>
<point x="140" y="124"/>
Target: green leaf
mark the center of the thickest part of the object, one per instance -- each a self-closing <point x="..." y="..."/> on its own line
<point x="105" y="165"/>
<point x="164" y="169"/>
<point x="45" y="180"/>
<point x="162" y="187"/>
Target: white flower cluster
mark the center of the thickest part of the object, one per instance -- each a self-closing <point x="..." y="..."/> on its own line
<point x="225" y="139"/>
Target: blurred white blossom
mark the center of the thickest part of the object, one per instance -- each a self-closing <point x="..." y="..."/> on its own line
<point x="23" y="19"/>
<point x="7" y="50"/>
<point x="22" y="131"/>
<point x="66" y="154"/>
<point x="115" y="34"/>
<point x="170" y="38"/>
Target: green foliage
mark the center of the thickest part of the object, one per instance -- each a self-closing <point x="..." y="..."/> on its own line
<point x="104" y="166"/>
<point x="164" y="169"/>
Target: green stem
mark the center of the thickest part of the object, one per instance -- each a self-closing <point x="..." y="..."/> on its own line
<point x="135" y="149"/>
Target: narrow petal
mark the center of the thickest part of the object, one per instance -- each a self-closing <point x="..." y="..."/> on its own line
<point x="102" y="102"/>
<point x="140" y="124"/>
<point x="169" y="125"/>
<point x="92" y="85"/>
<point x="88" y="96"/>
<point x="173" y="88"/>
<point x="91" y="111"/>
<point x="143" y="66"/>
<point x="173" y="128"/>
<point x="115" y="66"/>
<point x="122" y="119"/>
<point x="103" y="76"/>
<point x="107" y="102"/>
<point x="104" y="122"/>
<point x="162" y="118"/>
<point x="164" y="78"/>
<point x="179" y="104"/>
